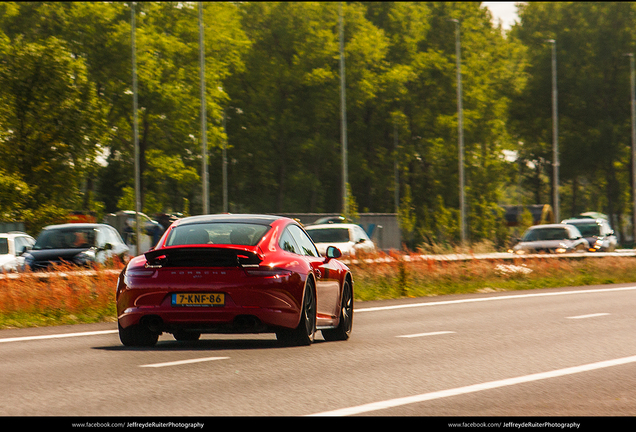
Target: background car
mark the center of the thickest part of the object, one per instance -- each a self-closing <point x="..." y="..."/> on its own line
<point x="597" y="232"/>
<point x="13" y="245"/>
<point x="551" y="238"/>
<point x="75" y="243"/>
<point x="234" y="274"/>
<point x="349" y="238"/>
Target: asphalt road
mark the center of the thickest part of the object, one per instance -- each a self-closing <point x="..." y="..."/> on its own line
<point x="556" y="352"/>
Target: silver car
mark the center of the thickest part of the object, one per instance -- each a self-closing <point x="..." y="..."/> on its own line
<point x="551" y="238"/>
<point x="597" y="232"/>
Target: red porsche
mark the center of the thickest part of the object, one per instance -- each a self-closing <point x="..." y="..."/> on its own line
<point x="235" y="274"/>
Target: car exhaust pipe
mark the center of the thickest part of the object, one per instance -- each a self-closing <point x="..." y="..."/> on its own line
<point x="152" y="323"/>
<point x="247" y="322"/>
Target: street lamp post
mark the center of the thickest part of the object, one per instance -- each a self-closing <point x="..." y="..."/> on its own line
<point x="633" y="110"/>
<point x="460" y="133"/>
<point x="204" y="133"/>
<point x="343" y="115"/>
<point x="136" y="133"/>
<point x="555" y="136"/>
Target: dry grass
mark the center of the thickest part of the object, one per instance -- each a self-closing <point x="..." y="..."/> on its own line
<point x="72" y="297"/>
<point x="67" y="297"/>
<point x="417" y="277"/>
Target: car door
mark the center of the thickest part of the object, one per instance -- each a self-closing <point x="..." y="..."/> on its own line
<point x="327" y="284"/>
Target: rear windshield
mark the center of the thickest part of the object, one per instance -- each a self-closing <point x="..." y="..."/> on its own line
<point x="66" y="238"/>
<point x="588" y="229"/>
<point x="244" y="234"/>
<point x="547" y="234"/>
<point x="329" y="235"/>
<point x="4" y="246"/>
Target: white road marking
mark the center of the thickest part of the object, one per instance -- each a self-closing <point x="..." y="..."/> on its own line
<point x="56" y="336"/>
<point x="484" y="299"/>
<point x="426" y="334"/>
<point x="588" y="316"/>
<point x="181" y="362"/>
<point x="375" y="406"/>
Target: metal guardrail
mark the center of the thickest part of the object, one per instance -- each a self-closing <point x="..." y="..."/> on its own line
<point x="46" y="275"/>
<point x="493" y="256"/>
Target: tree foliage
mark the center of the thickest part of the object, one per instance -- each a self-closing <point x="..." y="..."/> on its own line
<point x="272" y="76"/>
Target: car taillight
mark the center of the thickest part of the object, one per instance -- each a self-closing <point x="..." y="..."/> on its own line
<point x="140" y="272"/>
<point x="265" y="271"/>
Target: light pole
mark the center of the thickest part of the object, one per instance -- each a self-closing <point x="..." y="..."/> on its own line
<point x="555" y="136"/>
<point x="343" y="115"/>
<point x="204" y="133"/>
<point x="136" y="133"/>
<point x="460" y="134"/>
<point x="633" y="110"/>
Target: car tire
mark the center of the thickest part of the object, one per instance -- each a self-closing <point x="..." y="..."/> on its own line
<point x="137" y="336"/>
<point x="186" y="336"/>
<point x="343" y="331"/>
<point x="304" y="334"/>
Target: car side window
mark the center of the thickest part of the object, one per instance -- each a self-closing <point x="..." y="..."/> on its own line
<point x="19" y="244"/>
<point x="304" y="241"/>
<point x="360" y="234"/>
<point x="287" y="242"/>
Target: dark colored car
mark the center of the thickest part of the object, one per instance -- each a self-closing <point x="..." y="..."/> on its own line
<point x="597" y="232"/>
<point x="235" y="274"/>
<point x="551" y="238"/>
<point x="81" y="244"/>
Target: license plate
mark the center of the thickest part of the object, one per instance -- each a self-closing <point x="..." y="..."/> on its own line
<point x="199" y="299"/>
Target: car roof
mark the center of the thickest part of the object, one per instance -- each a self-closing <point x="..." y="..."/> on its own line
<point x="562" y="225"/>
<point x="333" y="225"/>
<point x="260" y="219"/>
<point x="77" y="225"/>
<point x="15" y="234"/>
<point x="585" y="220"/>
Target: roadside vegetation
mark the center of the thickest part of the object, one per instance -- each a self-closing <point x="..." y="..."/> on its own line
<point x="72" y="297"/>
<point x="422" y="277"/>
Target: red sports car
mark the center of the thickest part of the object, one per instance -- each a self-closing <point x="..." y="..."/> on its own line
<point x="235" y="274"/>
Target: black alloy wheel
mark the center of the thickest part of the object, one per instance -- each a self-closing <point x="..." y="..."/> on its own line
<point x="304" y="334"/>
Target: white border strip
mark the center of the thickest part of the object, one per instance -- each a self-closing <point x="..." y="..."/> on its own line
<point x="56" y="336"/>
<point x="375" y="406"/>
<point x="483" y="299"/>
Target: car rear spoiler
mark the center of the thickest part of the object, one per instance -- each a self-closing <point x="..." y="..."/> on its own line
<point x="201" y="257"/>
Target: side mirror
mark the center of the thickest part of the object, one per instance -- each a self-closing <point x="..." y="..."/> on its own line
<point x="333" y="252"/>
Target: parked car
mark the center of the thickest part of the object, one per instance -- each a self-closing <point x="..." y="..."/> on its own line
<point x="76" y="243"/>
<point x="597" y="232"/>
<point x="349" y="238"/>
<point x="13" y="246"/>
<point x="551" y="238"/>
<point x="234" y="274"/>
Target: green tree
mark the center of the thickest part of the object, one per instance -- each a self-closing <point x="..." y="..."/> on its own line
<point x="593" y="102"/>
<point x="48" y="116"/>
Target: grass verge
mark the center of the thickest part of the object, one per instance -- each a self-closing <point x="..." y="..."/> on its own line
<point x="428" y="277"/>
<point x="33" y="300"/>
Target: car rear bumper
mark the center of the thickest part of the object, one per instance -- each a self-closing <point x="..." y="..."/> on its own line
<point x="244" y="311"/>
